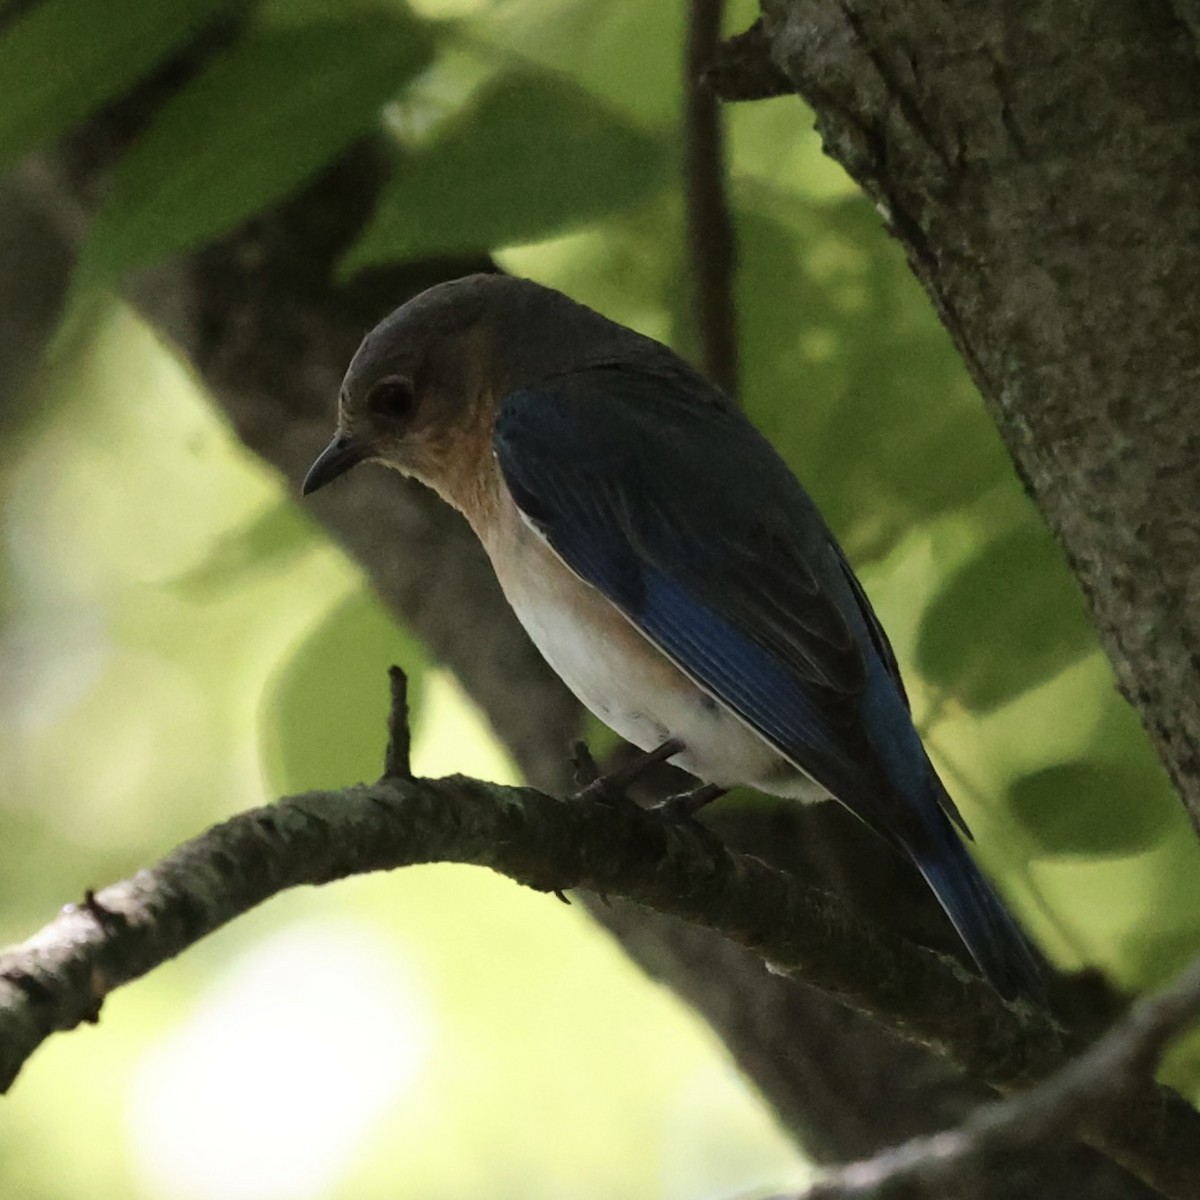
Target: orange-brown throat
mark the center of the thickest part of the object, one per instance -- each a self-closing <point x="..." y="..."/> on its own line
<point x="459" y="459"/>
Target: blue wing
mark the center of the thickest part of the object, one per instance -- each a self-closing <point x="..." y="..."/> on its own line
<point x="653" y="490"/>
<point x="685" y="517"/>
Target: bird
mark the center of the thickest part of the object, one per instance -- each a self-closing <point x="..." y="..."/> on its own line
<point x="666" y="561"/>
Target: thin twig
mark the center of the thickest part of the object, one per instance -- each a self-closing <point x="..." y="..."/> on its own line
<point x="743" y="68"/>
<point x="397" y="756"/>
<point x="710" y="235"/>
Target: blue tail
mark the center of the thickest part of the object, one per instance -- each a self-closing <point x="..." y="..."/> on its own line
<point x="1007" y="958"/>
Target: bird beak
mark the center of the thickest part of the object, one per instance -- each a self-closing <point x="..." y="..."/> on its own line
<point x="336" y="459"/>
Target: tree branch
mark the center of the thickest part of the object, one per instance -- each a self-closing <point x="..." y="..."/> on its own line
<point x="60" y="977"/>
<point x="948" y="1163"/>
<point x="743" y="68"/>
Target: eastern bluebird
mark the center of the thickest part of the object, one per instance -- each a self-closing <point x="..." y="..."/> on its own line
<point x="664" y="560"/>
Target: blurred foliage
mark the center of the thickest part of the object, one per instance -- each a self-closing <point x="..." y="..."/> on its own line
<point x="584" y="163"/>
<point x="1013" y="593"/>
<point x="1053" y="802"/>
<point x="313" y="734"/>
<point x="178" y="641"/>
<point x="62" y="58"/>
<point x="261" y="119"/>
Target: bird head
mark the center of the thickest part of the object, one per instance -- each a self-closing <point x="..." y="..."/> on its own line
<point x="416" y="387"/>
<point x="422" y="391"/>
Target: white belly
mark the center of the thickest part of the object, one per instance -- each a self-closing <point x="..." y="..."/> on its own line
<point x="628" y="683"/>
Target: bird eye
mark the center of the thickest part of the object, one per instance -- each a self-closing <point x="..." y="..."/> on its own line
<point x="392" y="397"/>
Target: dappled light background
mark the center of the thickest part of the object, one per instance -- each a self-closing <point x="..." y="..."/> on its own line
<point x="179" y="642"/>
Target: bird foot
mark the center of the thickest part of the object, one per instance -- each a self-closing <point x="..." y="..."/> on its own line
<point x="610" y="788"/>
<point x="685" y="805"/>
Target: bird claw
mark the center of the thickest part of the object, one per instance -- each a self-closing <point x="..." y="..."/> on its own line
<point x="583" y="766"/>
<point x="685" y="805"/>
<point x="610" y="788"/>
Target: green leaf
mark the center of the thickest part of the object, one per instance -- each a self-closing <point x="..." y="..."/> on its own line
<point x="1091" y="808"/>
<point x="1008" y="620"/>
<point x="533" y="156"/>
<point x="260" y="121"/>
<point x="64" y="58"/>
<point x="323" y="720"/>
<point x="262" y="547"/>
<point x="848" y="372"/>
<point x="624" y="51"/>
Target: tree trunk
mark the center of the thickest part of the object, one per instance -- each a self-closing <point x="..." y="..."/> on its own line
<point x="1040" y="163"/>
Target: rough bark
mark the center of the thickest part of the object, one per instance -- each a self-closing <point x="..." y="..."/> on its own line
<point x="1040" y="163"/>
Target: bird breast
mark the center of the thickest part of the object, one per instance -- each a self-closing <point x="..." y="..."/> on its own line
<point x="618" y="674"/>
